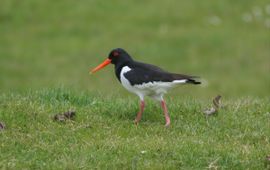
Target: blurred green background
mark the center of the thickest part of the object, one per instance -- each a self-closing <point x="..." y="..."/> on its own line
<point x="50" y="43"/>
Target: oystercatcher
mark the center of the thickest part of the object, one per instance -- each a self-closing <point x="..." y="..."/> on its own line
<point x="144" y="79"/>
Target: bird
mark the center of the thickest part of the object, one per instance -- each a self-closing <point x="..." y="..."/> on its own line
<point x="144" y="79"/>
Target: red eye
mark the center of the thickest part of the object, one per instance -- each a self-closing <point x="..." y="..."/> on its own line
<point x="115" y="54"/>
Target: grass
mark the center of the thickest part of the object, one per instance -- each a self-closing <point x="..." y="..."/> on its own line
<point x="103" y="135"/>
<point x="47" y="48"/>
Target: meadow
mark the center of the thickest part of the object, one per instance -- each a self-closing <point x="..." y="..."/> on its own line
<point x="46" y="51"/>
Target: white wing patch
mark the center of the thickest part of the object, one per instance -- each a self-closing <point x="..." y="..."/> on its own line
<point x="180" y="81"/>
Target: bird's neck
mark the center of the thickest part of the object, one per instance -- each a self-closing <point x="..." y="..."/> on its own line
<point x="120" y="65"/>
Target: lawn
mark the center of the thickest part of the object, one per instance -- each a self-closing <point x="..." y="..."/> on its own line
<point x="46" y="51"/>
<point x="103" y="136"/>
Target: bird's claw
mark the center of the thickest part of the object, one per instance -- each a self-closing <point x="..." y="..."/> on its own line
<point x="136" y="122"/>
<point x="167" y="124"/>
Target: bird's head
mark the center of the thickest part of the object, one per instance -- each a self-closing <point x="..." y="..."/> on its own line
<point x="116" y="56"/>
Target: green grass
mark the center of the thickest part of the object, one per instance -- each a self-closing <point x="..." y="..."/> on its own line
<point x="47" y="48"/>
<point x="103" y="135"/>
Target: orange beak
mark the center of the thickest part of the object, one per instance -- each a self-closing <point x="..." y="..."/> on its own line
<point x="102" y="65"/>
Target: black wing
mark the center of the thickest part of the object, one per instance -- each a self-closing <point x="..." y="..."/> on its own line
<point x="144" y="73"/>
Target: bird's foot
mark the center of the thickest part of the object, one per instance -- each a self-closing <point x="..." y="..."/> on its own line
<point x="138" y="118"/>
<point x="168" y="122"/>
<point x="136" y="122"/>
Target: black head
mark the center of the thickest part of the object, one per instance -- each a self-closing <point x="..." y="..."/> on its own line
<point x="119" y="55"/>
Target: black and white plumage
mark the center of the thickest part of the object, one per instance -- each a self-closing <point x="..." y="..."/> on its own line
<point x="144" y="79"/>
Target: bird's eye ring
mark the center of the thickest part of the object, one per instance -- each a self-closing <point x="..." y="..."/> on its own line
<point x="115" y="54"/>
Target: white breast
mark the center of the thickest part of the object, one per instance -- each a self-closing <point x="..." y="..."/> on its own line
<point x="124" y="80"/>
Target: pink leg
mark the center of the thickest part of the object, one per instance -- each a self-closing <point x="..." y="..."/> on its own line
<point x="139" y="114"/>
<point x="166" y="114"/>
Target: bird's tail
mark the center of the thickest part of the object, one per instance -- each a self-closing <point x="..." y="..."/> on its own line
<point x="189" y="79"/>
<point x="192" y="81"/>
